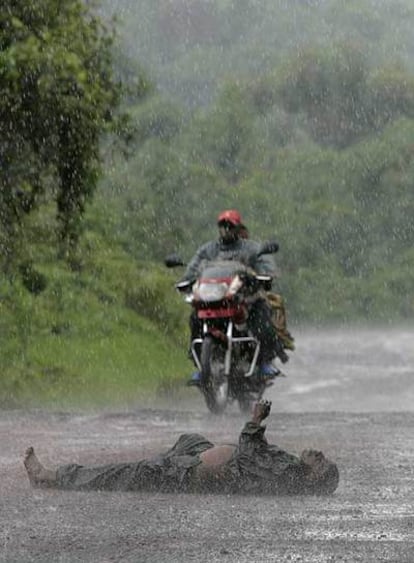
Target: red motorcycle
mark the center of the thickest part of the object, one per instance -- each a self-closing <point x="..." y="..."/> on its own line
<point x="225" y="352"/>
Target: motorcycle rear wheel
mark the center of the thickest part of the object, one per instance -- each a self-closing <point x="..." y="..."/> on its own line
<point x="214" y="383"/>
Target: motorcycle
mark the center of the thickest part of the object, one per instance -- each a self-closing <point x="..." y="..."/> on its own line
<point x="225" y="352"/>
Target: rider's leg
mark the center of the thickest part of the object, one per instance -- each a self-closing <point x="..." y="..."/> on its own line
<point x="261" y="326"/>
<point x="195" y="332"/>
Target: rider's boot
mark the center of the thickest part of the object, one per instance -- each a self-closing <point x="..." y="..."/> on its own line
<point x="195" y="379"/>
<point x="268" y="372"/>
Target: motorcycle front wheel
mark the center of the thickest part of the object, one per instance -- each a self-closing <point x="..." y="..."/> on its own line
<point x="214" y="382"/>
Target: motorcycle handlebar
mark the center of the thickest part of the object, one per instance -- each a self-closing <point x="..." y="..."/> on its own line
<point x="269" y="247"/>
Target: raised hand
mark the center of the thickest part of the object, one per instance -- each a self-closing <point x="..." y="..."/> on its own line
<point x="261" y="410"/>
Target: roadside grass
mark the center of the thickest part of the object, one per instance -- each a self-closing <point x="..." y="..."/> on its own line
<point x="129" y="364"/>
<point x="117" y="370"/>
<point x="109" y="334"/>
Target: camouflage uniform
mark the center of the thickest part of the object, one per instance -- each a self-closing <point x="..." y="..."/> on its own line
<point x="256" y="467"/>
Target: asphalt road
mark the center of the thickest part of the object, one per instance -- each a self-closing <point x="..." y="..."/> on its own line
<point x="348" y="393"/>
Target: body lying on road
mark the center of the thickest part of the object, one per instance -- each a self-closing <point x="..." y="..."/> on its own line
<point x="196" y="465"/>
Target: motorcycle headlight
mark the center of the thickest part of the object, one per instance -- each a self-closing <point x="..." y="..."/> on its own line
<point x="212" y="291"/>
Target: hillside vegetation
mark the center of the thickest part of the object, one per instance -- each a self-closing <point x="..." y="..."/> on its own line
<point x="305" y="124"/>
<point x="108" y="332"/>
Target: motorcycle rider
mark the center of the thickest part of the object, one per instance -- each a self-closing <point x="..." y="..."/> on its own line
<point x="231" y="246"/>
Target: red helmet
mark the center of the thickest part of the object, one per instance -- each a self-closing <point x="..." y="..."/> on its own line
<point x="231" y="216"/>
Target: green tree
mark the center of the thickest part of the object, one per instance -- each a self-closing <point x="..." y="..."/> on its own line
<point x="225" y="138"/>
<point x="58" y="95"/>
<point x="391" y="90"/>
<point x="329" y="87"/>
<point x="343" y="100"/>
<point x="165" y="200"/>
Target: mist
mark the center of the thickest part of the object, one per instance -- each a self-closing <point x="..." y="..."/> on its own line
<point x="298" y="113"/>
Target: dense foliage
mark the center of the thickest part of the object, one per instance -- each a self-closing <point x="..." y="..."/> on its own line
<point x="57" y="97"/>
<point x="313" y="143"/>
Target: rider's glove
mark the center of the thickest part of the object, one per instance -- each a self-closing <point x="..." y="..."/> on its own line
<point x="249" y="281"/>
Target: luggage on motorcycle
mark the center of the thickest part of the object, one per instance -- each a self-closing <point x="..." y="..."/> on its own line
<point x="279" y="319"/>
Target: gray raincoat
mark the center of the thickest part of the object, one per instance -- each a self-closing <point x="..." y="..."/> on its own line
<point x="242" y="250"/>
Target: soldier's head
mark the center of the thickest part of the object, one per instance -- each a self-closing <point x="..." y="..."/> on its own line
<point x="323" y="474"/>
<point x="229" y="224"/>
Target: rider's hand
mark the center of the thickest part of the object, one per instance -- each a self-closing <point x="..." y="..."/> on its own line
<point x="249" y="281"/>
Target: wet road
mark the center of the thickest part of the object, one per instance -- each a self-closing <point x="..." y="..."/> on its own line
<point x="351" y="371"/>
<point x="349" y="393"/>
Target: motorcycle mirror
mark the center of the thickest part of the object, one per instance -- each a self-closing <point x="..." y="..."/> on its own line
<point x="173" y="260"/>
<point x="269" y="247"/>
<point x="184" y="286"/>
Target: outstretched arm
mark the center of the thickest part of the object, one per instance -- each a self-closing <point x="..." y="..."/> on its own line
<point x="252" y="437"/>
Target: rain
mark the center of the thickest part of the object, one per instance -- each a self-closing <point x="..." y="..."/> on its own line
<point x="126" y="129"/>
